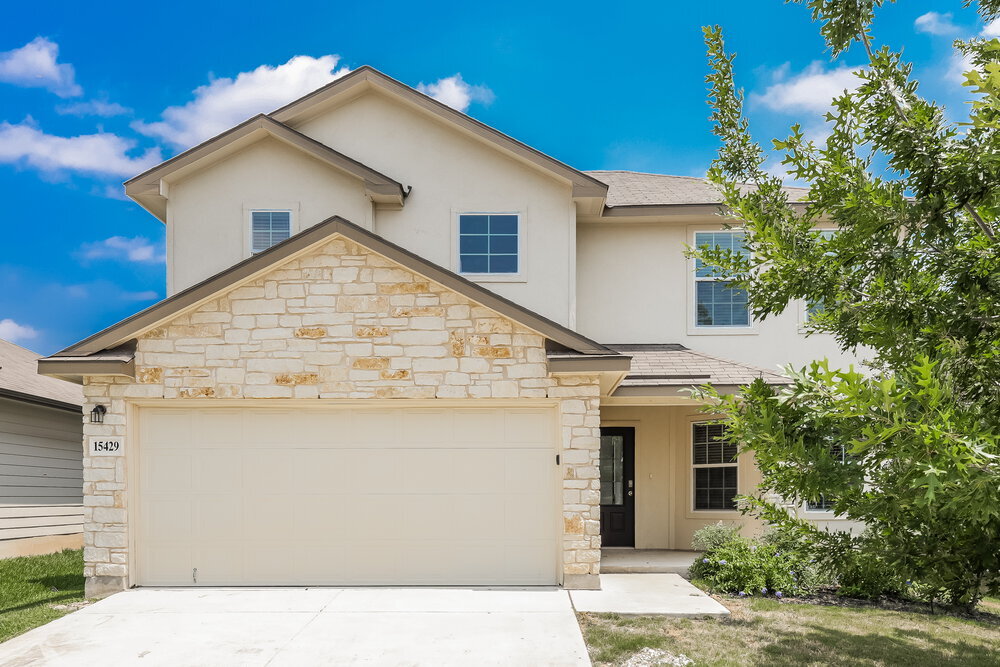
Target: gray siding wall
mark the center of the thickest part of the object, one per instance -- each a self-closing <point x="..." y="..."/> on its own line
<point x="41" y="471"/>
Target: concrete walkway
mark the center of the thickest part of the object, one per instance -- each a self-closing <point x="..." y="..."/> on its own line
<point x="303" y="626"/>
<point x="659" y="594"/>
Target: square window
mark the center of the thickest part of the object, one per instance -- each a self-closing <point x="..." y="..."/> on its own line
<point x="489" y="243"/>
<point x="268" y="228"/>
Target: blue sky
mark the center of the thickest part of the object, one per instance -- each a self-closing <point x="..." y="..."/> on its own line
<point x="93" y="93"/>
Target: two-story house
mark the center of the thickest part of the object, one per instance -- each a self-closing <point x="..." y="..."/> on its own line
<point x="401" y="347"/>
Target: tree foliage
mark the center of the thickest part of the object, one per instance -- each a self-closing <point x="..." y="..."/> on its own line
<point x="911" y="279"/>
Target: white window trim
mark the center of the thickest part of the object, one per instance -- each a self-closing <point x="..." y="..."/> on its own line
<point x="692" y="466"/>
<point x="522" y="258"/>
<point x="693" y="328"/>
<point x="292" y="208"/>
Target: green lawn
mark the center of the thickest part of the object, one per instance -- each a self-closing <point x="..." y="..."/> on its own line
<point x="30" y="586"/>
<point x="768" y="632"/>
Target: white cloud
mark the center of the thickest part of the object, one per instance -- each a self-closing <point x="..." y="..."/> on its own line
<point x="14" y="332"/>
<point x="224" y="102"/>
<point x="136" y="249"/>
<point x="811" y="90"/>
<point x="101" y="108"/>
<point x="34" y="66"/>
<point x="960" y="64"/>
<point x="935" y="23"/>
<point x="101" y="154"/>
<point x="456" y="93"/>
<point x="991" y="29"/>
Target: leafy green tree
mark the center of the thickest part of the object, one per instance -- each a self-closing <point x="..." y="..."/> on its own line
<point x="911" y="278"/>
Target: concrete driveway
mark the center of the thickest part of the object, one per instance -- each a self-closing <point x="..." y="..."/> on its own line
<point x="310" y="626"/>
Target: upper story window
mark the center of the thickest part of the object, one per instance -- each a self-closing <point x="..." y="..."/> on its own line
<point x="268" y="228"/>
<point x="489" y="243"/>
<point x="717" y="302"/>
<point x="713" y="458"/>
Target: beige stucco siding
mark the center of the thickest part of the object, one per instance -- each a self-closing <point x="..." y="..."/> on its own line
<point x="451" y="173"/>
<point x="635" y="286"/>
<point x="208" y="214"/>
<point x="40" y="477"/>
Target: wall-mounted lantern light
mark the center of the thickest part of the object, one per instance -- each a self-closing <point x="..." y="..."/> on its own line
<point x="97" y="414"/>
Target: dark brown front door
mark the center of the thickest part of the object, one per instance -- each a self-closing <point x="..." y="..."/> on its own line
<point x="617" y="487"/>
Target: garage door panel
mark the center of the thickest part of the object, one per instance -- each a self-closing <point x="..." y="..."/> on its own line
<point x="524" y="517"/>
<point x="219" y="428"/>
<point x="168" y="518"/>
<point x="375" y="471"/>
<point x="219" y="516"/>
<point x="376" y="515"/>
<point x="166" y="428"/>
<point x="387" y="495"/>
<point x="168" y="471"/>
<point x="527" y="427"/>
<point x="474" y="425"/>
<point x="428" y="427"/>
<point x="269" y="469"/>
<point x="320" y="470"/>
<point x="168" y="564"/>
<point x="216" y="470"/>
<point x="528" y="469"/>
<point x="372" y="427"/>
<point x="219" y="563"/>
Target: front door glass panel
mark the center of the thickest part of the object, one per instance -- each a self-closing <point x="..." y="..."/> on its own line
<point x="612" y="470"/>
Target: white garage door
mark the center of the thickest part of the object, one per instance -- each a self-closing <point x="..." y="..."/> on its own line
<point x="258" y="496"/>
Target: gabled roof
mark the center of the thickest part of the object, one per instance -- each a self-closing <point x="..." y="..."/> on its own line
<point x="632" y="192"/>
<point x="102" y="347"/>
<point x="19" y="379"/>
<point x="151" y="188"/>
<point x="666" y="368"/>
<point x="584" y="185"/>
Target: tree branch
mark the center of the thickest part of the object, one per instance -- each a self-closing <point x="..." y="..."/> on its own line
<point x="971" y="210"/>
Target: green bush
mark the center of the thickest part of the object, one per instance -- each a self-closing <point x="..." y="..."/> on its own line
<point x="858" y="566"/>
<point x="713" y="536"/>
<point x="762" y="567"/>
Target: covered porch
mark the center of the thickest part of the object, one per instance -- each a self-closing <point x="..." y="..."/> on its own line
<point x="666" y="469"/>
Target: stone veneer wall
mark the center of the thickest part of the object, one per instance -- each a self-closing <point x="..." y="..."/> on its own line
<point x="341" y="322"/>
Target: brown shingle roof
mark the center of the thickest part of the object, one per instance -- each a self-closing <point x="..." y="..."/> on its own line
<point x="633" y="188"/>
<point x="673" y="365"/>
<point x="19" y="376"/>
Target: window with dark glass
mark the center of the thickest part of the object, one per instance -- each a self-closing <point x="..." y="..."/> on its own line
<point x="488" y="243"/>
<point x="717" y="302"/>
<point x="268" y="228"/>
<point x="713" y="457"/>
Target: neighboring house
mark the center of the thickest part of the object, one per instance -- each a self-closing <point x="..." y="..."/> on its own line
<point x="41" y="461"/>
<point x="400" y="347"/>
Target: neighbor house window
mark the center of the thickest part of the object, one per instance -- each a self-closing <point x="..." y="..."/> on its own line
<point x="717" y="302"/>
<point x="713" y="457"/>
<point x="268" y="228"/>
<point x="489" y="243"/>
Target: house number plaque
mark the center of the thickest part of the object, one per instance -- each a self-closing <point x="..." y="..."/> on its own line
<point x="106" y="446"/>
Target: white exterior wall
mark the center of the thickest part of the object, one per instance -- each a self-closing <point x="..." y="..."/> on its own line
<point x="208" y="214"/>
<point x="636" y="286"/>
<point x="452" y="173"/>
